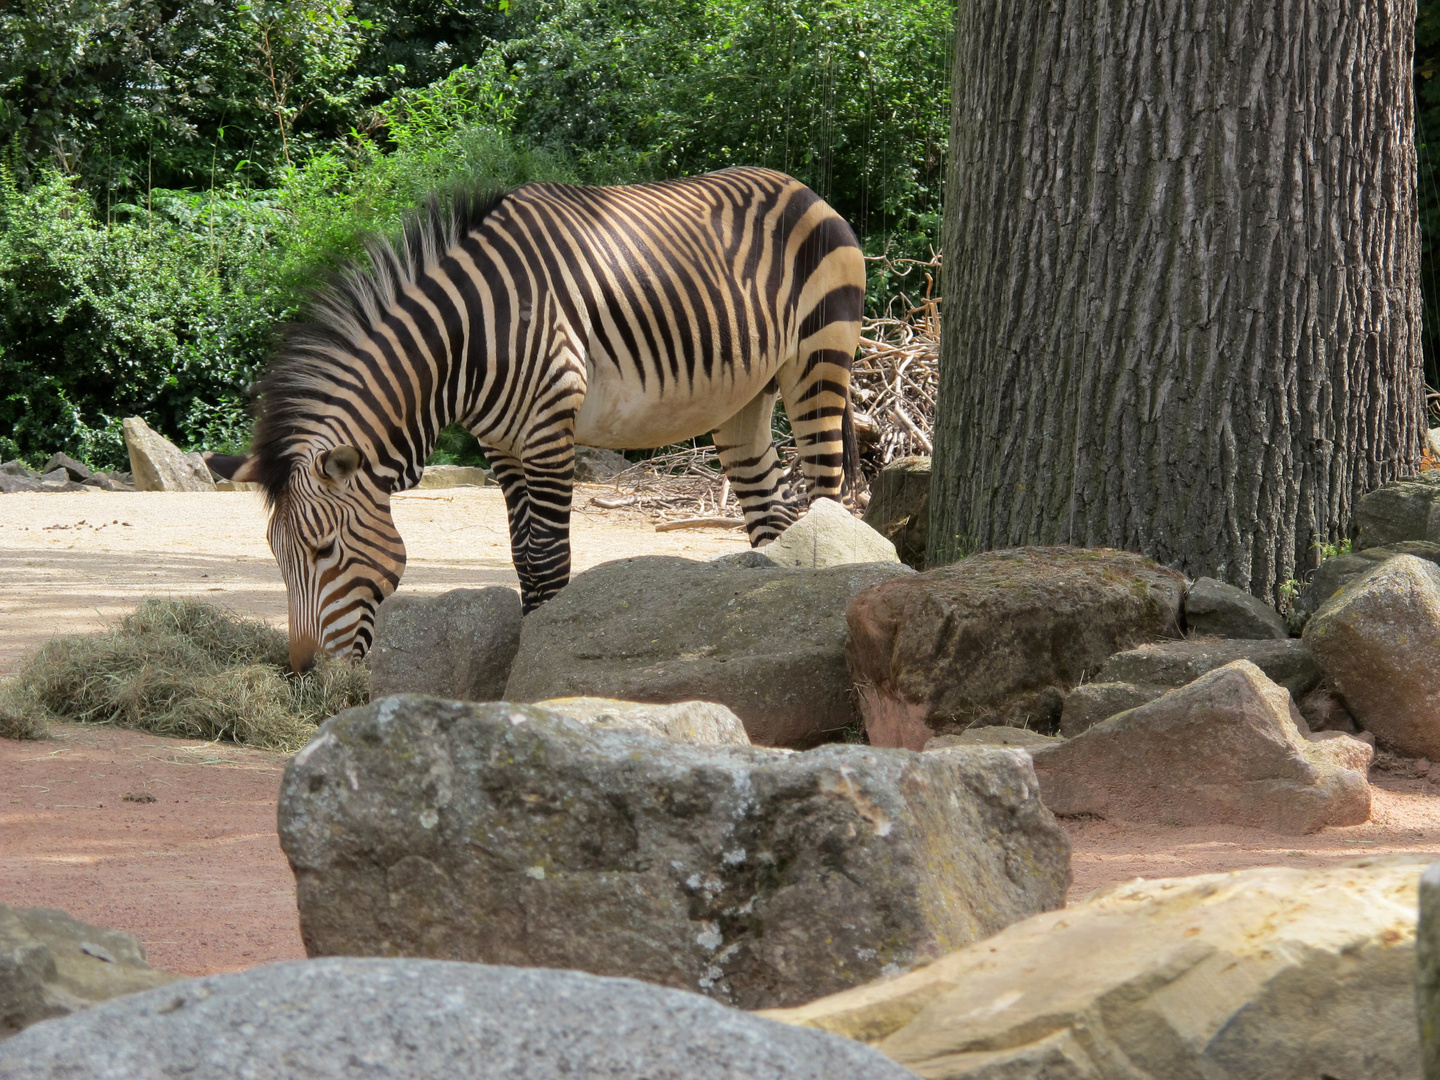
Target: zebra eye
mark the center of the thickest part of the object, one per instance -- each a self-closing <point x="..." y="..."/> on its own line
<point x="325" y="550"/>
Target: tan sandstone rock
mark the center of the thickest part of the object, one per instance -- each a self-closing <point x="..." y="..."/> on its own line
<point x="160" y="465"/>
<point x="1378" y="642"/>
<point x="1225" y="749"/>
<point x="700" y="723"/>
<point x="1267" y="973"/>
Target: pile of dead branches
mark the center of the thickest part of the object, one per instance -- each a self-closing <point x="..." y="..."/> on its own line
<point x="893" y="386"/>
<point x="896" y="377"/>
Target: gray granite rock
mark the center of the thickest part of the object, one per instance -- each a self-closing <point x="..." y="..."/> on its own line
<point x="76" y="470"/>
<point x="999" y="638"/>
<point x="1217" y="608"/>
<point x="10" y="483"/>
<point x="52" y="965"/>
<point x="16" y="467"/>
<point x="1405" y="509"/>
<point x="509" y="834"/>
<point x="767" y="643"/>
<point x="1169" y="664"/>
<point x="1378" y="643"/>
<point x="358" y="1019"/>
<point x="459" y="644"/>
<point x="1224" y="749"/>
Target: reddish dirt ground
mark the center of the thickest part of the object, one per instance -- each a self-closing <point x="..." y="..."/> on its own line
<point x="198" y="875"/>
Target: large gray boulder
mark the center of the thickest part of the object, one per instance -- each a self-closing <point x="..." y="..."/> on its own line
<point x="1335" y="573"/>
<point x="595" y="464"/>
<point x="999" y="637"/>
<point x="899" y="507"/>
<point x="1405" y="509"/>
<point x="1378" y="642"/>
<point x="459" y="644"/>
<point x="703" y="723"/>
<point x="768" y="643"/>
<point x="355" y="1019"/>
<point x="1267" y="974"/>
<point x="1224" y="750"/>
<point x="52" y="965"/>
<point x="1218" y="608"/>
<point x="509" y="834"/>
<point x="828" y="535"/>
<point x="160" y="465"/>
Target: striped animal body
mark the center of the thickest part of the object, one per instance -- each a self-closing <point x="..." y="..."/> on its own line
<point x="622" y="317"/>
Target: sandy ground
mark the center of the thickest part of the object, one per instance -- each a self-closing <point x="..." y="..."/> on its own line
<point x="198" y="874"/>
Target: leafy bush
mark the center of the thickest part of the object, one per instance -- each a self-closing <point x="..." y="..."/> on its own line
<point x="104" y="319"/>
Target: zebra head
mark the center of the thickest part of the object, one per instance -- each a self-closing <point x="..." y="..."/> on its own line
<point x="333" y="535"/>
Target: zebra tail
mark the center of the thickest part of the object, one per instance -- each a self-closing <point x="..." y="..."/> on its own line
<point x="850" y="453"/>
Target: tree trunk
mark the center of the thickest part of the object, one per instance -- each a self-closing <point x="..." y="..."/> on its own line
<point x="1182" y="299"/>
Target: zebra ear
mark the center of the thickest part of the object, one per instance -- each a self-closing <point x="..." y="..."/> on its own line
<point x="340" y="464"/>
<point x="241" y="468"/>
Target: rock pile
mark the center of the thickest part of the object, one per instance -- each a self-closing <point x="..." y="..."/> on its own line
<point x="61" y="473"/>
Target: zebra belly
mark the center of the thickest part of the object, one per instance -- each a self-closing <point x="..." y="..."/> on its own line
<point x="621" y="415"/>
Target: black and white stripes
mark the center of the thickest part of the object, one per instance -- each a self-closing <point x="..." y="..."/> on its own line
<point x="622" y="317"/>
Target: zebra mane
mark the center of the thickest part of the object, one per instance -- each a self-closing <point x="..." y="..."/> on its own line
<point x="339" y="315"/>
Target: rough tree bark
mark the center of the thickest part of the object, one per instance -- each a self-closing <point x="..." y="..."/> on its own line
<point x="1182" y="305"/>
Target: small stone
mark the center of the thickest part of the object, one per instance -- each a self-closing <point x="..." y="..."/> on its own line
<point x="899" y="507"/>
<point x="1170" y="664"/>
<point x="829" y="535"/>
<point x="1090" y="703"/>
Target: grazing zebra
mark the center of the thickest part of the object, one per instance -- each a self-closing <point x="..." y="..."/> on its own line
<point x="622" y="317"/>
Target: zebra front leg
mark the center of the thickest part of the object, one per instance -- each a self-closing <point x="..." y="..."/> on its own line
<point x="549" y="486"/>
<point x="747" y="453"/>
<point x="510" y="475"/>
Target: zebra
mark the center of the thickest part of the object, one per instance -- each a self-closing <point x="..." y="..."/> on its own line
<point x="627" y="317"/>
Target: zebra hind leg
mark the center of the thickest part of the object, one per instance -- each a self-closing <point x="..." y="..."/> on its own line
<point x="816" y="388"/>
<point x="747" y="453"/>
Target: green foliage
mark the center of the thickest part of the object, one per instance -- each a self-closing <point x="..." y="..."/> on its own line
<point x="850" y="96"/>
<point x="105" y="319"/>
<point x="456" y="446"/>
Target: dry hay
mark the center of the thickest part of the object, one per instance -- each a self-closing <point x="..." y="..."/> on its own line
<point x="185" y="669"/>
